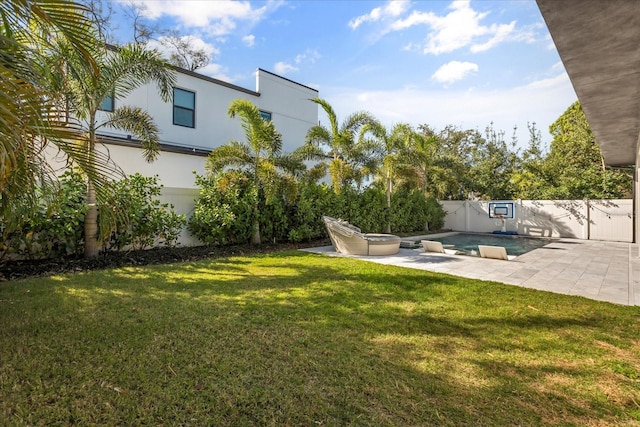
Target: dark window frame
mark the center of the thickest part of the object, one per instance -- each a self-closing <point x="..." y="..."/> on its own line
<point x="113" y="103"/>
<point x="266" y="115"/>
<point x="184" y="109"/>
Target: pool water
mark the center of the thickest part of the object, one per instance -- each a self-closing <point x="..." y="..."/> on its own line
<point x="515" y="245"/>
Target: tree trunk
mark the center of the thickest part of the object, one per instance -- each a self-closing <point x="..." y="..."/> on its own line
<point x="91" y="224"/>
<point x="255" y="237"/>
<point x="389" y="184"/>
<point x="91" y="218"/>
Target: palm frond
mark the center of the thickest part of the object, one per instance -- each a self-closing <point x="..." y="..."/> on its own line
<point x="232" y="154"/>
<point x="289" y="163"/>
<point x="331" y="114"/>
<point x="318" y="135"/>
<point x="132" y="66"/>
<point x="355" y="121"/>
<point x="139" y="123"/>
<point x="309" y="152"/>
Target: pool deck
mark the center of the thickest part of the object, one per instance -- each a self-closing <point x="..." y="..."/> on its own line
<point x="603" y="271"/>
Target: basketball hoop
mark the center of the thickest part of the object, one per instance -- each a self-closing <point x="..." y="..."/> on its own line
<point x="501" y="212"/>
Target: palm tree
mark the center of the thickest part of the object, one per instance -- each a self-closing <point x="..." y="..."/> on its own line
<point x="348" y="159"/>
<point x="435" y="161"/>
<point x="29" y="121"/>
<point x="390" y="147"/>
<point x="261" y="156"/>
<point x="118" y="72"/>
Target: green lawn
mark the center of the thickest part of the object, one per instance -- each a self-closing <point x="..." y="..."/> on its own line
<point x="301" y="339"/>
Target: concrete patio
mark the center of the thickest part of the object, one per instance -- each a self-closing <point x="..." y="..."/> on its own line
<point x="603" y="271"/>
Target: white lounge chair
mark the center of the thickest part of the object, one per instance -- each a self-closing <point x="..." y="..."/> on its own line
<point x="438" y="247"/>
<point x="348" y="239"/>
<point x="432" y="246"/>
<point x="495" y="252"/>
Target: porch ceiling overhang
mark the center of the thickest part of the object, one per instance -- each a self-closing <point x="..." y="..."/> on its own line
<point x="599" y="43"/>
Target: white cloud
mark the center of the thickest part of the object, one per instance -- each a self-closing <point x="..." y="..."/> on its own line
<point x="249" y="40"/>
<point x="194" y="41"/>
<point x="459" y="28"/>
<point x="541" y="102"/>
<point x="217" y="17"/>
<point x="392" y="9"/>
<point x="550" y="82"/>
<point x="501" y="33"/>
<point x="284" y="68"/>
<point x="216" y="71"/>
<point x="309" y="55"/>
<point x="454" y="71"/>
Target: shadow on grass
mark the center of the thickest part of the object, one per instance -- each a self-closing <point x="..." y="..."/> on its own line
<point x="294" y="338"/>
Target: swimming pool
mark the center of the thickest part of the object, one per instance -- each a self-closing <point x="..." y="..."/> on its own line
<point x="515" y="245"/>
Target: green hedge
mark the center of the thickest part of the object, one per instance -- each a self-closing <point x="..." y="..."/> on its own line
<point x="223" y="211"/>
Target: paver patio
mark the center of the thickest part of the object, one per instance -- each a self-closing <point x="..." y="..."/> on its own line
<point x="604" y="271"/>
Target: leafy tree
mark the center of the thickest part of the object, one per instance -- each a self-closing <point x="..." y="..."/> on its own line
<point x="117" y="74"/>
<point x="389" y="146"/>
<point x="439" y="162"/>
<point x="492" y="165"/>
<point x="261" y="156"/>
<point x="183" y="52"/>
<point x="29" y="120"/>
<point x="143" y="30"/>
<point x="530" y="175"/>
<point x="575" y="165"/>
<point x="101" y="13"/>
<point x="348" y="159"/>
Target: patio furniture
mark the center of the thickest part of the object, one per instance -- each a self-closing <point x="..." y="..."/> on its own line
<point x="495" y="252"/>
<point x="348" y="239"/>
<point x="438" y="247"/>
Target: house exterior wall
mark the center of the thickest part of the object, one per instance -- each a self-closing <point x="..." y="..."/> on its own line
<point x="287" y="102"/>
<point x="184" y="149"/>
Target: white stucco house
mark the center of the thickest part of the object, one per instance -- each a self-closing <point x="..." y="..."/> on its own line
<point x="197" y="122"/>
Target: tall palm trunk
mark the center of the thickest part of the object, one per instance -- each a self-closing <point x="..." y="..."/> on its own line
<point x="91" y="218"/>
<point x="255" y="236"/>
<point x="91" y="224"/>
<point x="389" y="184"/>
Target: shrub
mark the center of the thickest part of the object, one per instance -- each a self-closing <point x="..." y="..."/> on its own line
<point x="369" y="212"/>
<point x="142" y="220"/>
<point x="314" y="201"/>
<point x="412" y="211"/>
<point x="52" y="229"/>
<point x="224" y="211"/>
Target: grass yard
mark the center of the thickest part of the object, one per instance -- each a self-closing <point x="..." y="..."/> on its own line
<point x="299" y="339"/>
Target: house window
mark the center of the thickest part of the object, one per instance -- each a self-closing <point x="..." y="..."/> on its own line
<point x="107" y="103"/>
<point x="265" y="115"/>
<point x="184" y="108"/>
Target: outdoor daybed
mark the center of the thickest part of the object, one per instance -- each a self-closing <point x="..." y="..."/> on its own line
<point x="347" y="239"/>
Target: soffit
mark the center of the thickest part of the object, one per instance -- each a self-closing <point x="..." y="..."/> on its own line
<point x="599" y="43"/>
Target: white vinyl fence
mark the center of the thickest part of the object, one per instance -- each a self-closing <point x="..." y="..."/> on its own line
<point x="610" y="220"/>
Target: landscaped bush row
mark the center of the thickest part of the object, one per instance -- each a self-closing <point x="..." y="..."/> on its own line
<point x="55" y="229"/>
<point x="224" y="212"/>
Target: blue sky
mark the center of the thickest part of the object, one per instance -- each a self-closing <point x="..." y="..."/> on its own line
<point x="466" y="63"/>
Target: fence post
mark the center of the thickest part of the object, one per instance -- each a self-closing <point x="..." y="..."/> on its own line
<point x="466" y="215"/>
<point x="588" y="219"/>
